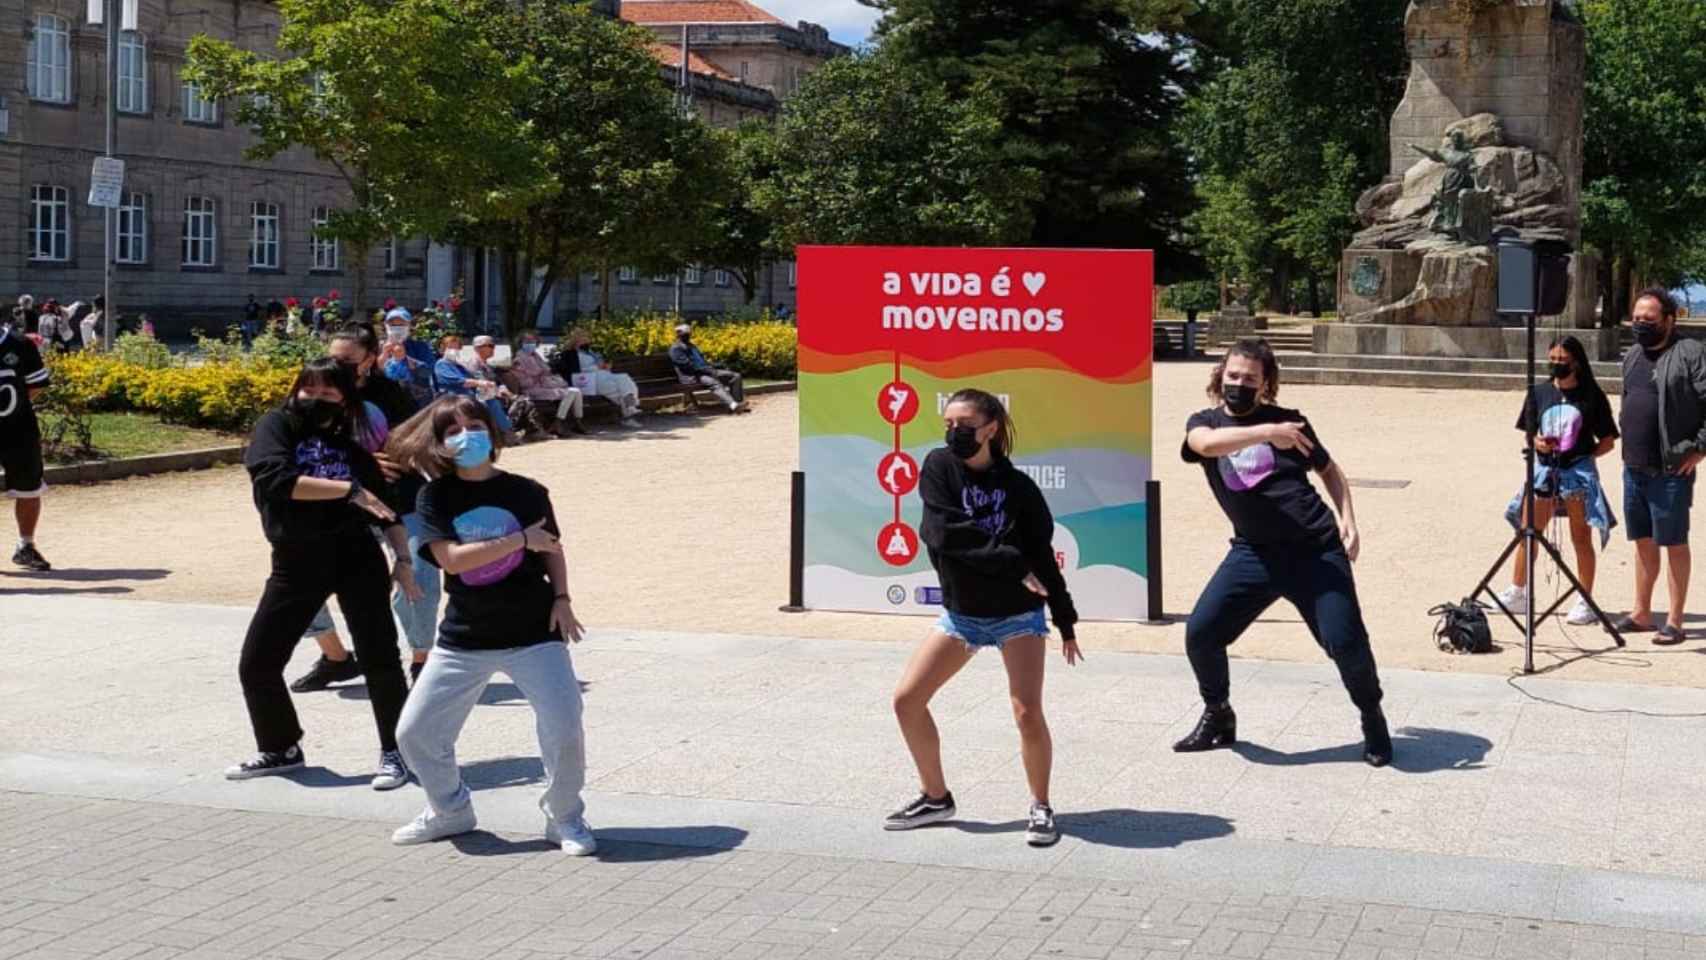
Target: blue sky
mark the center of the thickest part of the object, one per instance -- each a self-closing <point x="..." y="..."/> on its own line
<point x="847" y="21"/>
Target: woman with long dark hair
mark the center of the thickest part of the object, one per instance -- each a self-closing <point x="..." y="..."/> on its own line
<point x="990" y="537"/>
<point x="494" y="535"/>
<point x="320" y="492"/>
<point x="1286" y="544"/>
<point x="1570" y="417"/>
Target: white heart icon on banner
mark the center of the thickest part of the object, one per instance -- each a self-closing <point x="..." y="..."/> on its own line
<point x="1034" y="282"/>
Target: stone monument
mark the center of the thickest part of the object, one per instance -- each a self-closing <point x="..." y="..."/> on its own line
<point x="1488" y="137"/>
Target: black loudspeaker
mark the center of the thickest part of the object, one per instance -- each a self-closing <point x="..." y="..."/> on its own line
<point x="1534" y="277"/>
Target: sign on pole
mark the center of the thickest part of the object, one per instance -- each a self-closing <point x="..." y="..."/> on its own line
<point x="106" y="182"/>
<point x="887" y="334"/>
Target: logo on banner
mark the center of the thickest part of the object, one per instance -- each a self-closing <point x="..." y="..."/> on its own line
<point x="897" y="594"/>
<point x="898" y="473"/>
<point x="898" y="403"/>
<point x="897" y="544"/>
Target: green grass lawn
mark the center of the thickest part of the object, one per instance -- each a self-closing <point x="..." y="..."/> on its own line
<point x="119" y="435"/>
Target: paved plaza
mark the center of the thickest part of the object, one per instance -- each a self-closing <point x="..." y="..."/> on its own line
<point x="737" y="785"/>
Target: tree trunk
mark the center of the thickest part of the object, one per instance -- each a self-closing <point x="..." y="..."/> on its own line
<point x="1623" y="289"/>
<point x="1606" y="291"/>
<point x="538" y="304"/>
<point x="1314" y="296"/>
<point x="359" y="254"/>
<point x="604" y="290"/>
<point x="509" y="263"/>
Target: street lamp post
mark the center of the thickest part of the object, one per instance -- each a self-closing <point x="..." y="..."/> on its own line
<point x="114" y="15"/>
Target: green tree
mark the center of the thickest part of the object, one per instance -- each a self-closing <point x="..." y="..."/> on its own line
<point x="1288" y="127"/>
<point x="1086" y="92"/>
<point x="626" y="167"/>
<point x="406" y="99"/>
<point x="741" y="238"/>
<point x="871" y="150"/>
<point x="1644" y="199"/>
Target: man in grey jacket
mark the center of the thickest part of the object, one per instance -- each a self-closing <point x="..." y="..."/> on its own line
<point x="1664" y="442"/>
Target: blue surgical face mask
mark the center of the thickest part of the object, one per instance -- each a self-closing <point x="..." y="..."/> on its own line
<point x="472" y="448"/>
<point x="529" y="347"/>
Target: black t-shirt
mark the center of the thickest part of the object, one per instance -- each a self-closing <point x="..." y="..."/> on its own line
<point x="21" y="371"/>
<point x="1265" y="491"/>
<point x="504" y="604"/>
<point x="1577" y="418"/>
<point x="1641" y="443"/>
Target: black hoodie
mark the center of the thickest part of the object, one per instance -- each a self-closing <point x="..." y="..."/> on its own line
<point x="985" y="530"/>
<point x="284" y="448"/>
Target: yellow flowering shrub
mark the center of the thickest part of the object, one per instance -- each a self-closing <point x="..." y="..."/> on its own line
<point x="765" y="349"/>
<point x="221" y="396"/>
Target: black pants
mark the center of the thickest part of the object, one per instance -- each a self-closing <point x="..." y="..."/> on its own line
<point x="303" y="576"/>
<point x="1317" y="581"/>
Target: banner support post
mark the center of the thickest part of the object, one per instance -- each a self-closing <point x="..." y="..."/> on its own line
<point x="1152" y="517"/>
<point x="797" y="545"/>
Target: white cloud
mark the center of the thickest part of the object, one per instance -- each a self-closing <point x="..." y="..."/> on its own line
<point x="848" y="21"/>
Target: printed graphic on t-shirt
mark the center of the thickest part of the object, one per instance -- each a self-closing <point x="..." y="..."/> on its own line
<point x="488" y="523"/>
<point x="317" y="458"/>
<point x="1248" y="467"/>
<point x="1562" y="423"/>
<point x="379" y="430"/>
<point x="986" y="509"/>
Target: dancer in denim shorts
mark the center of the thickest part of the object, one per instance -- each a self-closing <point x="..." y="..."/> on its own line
<point x="990" y="537"/>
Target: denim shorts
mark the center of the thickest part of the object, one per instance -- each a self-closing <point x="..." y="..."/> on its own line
<point x="980" y="632"/>
<point x="1656" y="506"/>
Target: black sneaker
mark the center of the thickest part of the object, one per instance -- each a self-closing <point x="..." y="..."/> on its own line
<point x="28" y="557"/>
<point x="1217" y="727"/>
<point x="1041" y="832"/>
<point x="1376" y="740"/>
<point x="325" y="672"/>
<point x="267" y="764"/>
<point x="921" y="812"/>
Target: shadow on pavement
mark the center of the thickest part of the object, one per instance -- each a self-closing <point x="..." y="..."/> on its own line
<point x="620" y="845"/>
<point x="1414" y="750"/>
<point x="323" y="777"/>
<point x="75" y="575"/>
<point x="503" y="772"/>
<point x="63" y="591"/>
<point x="1129" y="829"/>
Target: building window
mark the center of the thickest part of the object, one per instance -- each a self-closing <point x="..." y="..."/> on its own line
<point x="391" y="255"/>
<point x="263" y="235"/>
<point x="745" y="72"/>
<point x="133" y="229"/>
<point x="720" y="277"/>
<point x="49" y="70"/>
<point x="663" y="278"/>
<point x="132" y="73"/>
<point x="794" y="81"/>
<point x="318" y="80"/>
<point x="201" y="232"/>
<point x="627" y="275"/>
<point x="325" y="249"/>
<point x="50" y="223"/>
<point x="199" y="109"/>
<point x="695" y="275"/>
<point x="793" y="274"/>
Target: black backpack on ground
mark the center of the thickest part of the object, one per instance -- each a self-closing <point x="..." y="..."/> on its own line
<point x="1462" y="627"/>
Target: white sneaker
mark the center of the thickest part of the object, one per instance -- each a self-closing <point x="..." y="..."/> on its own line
<point x="575" y="837"/>
<point x="1581" y="615"/>
<point x="431" y="826"/>
<point x="1514" y="598"/>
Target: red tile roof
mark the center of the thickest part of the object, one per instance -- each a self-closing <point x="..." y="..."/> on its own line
<point x="693" y="11"/>
<point x="670" y="56"/>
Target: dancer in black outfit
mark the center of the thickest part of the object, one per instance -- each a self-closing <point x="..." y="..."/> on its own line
<point x="319" y="491"/>
<point x="1286" y="543"/>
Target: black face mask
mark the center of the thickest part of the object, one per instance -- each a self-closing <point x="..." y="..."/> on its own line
<point x="1648" y="335"/>
<point x="357" y="372"/>
<point x="1562" y="370"/>
<point x="962" y="442"/>
<point x="320" y="413"/>
<point x="1240" y="398"/>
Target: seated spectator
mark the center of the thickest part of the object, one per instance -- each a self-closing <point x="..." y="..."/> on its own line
<point x="407" y="360"/>
<point x="456" y="379"/>
<point x="543" y="387"/>
<point x="575" y="357"/>
<point x="691" y="367"/>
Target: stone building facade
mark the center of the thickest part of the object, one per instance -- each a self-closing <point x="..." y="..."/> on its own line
<point x="201" y="227"/>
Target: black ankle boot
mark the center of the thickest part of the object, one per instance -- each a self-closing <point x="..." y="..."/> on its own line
<point x="1218" y="727"/>
<point x="1376" y="741"/>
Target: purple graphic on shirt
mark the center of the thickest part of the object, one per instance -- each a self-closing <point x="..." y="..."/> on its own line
<point x="1243" y="470"/>
<point x="379" y="431"/>
<point x="488" y="523"/>
<point x="985" y="509"/>
<point x="317" y="458"/>
<point x="1562" y="423"/>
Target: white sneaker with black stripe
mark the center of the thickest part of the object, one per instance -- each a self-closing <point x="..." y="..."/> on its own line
<point x="921" y="812"/>
<point x="1041" y="831"/>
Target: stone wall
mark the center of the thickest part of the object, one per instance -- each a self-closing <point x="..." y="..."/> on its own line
<point x="1522" y="61"/>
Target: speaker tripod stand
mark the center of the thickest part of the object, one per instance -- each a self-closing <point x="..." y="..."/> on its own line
<point x="1528" y="538"/>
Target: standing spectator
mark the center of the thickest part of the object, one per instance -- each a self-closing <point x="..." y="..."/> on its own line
<point x="458" y="380"/>
<point x="407" y="360"/>
<point x="251" y="320"/>
<point x="540" y="385"/>
<point x="576" y="357"/>
<point x="54" y="327"/>
<point x="91" y="325"/>
<point x="24" y="315"/>
<point x="319" y="494"/>
<point x="691" y="367"/>
<point x="1664" y="441"/>
<point x="275" y="311"/>
<point x="22" y="378"/>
